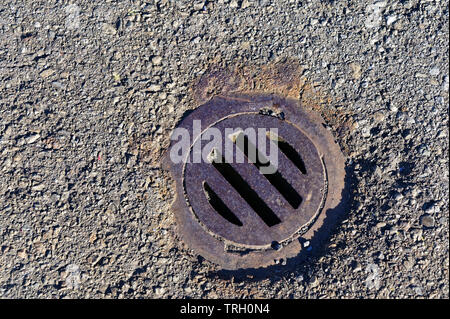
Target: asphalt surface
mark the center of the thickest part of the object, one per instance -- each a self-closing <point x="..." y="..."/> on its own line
<point x="89" y="93"/>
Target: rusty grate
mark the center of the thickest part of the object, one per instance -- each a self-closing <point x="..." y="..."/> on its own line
<point x="234" y="213"/>
<point x="240" y="204"/>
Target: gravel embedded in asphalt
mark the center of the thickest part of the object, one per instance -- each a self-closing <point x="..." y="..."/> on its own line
<point x="90" y="92"/>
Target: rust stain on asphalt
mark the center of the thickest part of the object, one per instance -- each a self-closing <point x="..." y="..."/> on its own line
<point x="284" y="77"/>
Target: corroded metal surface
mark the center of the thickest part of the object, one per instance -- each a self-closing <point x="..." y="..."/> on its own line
<point x="254" y="231"/>
<point x="245" y="239"/>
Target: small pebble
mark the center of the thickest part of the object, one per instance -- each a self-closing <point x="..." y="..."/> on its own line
<point x="276" y="245"/>
<point x="427" y="221"/>
<point x="154" y="88"/>
<point x="33" y="138"/>
<point x="234" y="4"/>
<point x="199" y="5"/>
<point x="434" y="71"/>
<point x="391" y="19"/>
<point x="156" y="60"/>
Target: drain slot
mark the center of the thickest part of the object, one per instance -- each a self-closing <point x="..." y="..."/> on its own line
<point x="219" y="206"/>
<point x="259" y="160"/>
<point x="242" y="187"/>
<point x="289" y="151"/>
<point x="292" y="154"/>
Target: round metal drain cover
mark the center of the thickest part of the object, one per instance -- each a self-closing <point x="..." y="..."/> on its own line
<point x="255" y="176"/>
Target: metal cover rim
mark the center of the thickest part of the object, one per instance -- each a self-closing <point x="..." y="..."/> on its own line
<point x="333" y="160"/>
